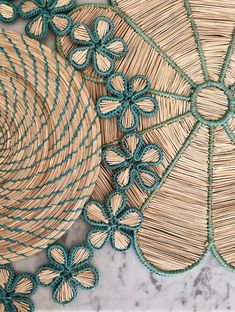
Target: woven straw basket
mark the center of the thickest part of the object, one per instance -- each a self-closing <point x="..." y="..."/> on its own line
<point x="50" y="146"/>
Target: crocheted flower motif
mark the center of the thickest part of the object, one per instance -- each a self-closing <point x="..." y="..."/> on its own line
<point x="15" y="291"/>
<point x="96" y="46"/>
<point x="66" y="271"/>
<point x="129" y="101"/>
<point x="8" y="11"/>
<point x="114" y="222"/>
<point x="131" y="163"/>
<point x="45" y="13"/>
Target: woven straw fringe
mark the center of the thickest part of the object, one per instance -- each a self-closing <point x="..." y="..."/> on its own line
<point x="49" y="147"/>
<point x="174" y="235"/>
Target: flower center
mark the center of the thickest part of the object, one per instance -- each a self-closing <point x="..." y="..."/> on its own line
<point x="67" y="274"/>
<point x="212" y="103"/>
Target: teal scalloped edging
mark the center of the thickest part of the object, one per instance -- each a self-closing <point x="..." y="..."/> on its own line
<point x="95" y="45"/>
<point x="113" y="220"/>
<point x="8" y="295"/>
<point x="128" y="99"/>
<point x="46" y="11"/>
<point x="65" y="268"/>
<point x="15" y="12"/>
<point x="200" y="121"/>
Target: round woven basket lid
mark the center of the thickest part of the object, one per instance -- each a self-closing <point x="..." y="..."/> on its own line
<point x="186" y="50"/>
<point x="50" y="146"/>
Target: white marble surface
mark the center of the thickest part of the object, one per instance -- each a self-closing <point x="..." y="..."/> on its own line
<point x="126" y="285"/>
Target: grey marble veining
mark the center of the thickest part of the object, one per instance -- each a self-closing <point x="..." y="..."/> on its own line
<point x="126" y="285"/>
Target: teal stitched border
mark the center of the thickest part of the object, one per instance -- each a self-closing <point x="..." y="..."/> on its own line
<point x="138" y="31"/>
<point x="153" y="269"/>
<point x="192" y="98"/>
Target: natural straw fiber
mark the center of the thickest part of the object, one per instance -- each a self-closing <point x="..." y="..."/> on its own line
<point x="50" y="146"/>
<point x="186" y="49"/>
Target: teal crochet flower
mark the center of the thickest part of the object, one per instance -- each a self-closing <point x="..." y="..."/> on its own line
<point x="66" y="271"/>
<point x="45" y="13"/>
<point x="15" y="291"/>
<point x="8" y="11"/>
<point x="130" y="100"/>
<point x="114" y="222"/>
<point x="96" y="46"/>
<point x="130" y="163"/>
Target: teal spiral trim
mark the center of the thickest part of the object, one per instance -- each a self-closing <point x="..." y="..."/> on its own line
<point x="49" y="146"/>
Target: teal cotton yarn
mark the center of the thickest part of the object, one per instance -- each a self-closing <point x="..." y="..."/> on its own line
<point x="49" y="146"/>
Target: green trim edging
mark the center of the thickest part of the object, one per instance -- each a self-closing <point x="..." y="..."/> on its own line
<point x="137" y="30"/>
<point x="169" y="169"/>
<point x="114" y="7"/>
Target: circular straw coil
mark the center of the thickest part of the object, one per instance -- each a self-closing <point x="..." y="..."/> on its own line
<point x="49" y="146"/>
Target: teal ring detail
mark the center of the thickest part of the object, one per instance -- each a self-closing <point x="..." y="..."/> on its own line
<point x="231" y="103"/>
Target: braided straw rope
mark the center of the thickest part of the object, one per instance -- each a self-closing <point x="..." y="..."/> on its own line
<point x="49" y="146"/>
<point x="179" y="45"/>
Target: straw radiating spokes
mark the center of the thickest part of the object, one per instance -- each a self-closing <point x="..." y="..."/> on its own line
<point x="186" y="50"/>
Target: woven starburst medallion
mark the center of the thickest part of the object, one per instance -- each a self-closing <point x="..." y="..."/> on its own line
<point x="175" y="89"/>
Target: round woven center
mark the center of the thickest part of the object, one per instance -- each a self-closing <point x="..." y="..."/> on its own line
<point x="212" y="103"/>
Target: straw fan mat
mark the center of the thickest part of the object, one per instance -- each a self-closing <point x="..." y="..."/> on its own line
<point x="50" y="146"/>
<point x="186" y="50"/>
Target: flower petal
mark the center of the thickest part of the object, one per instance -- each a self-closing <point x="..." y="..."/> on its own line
<point x="120" y="240"/>
<point x="131" y="219"/>
<point x="131" y="144"/>
<point x="103" y="64"/>
<point x="23" y="304"/>
<point x="29" y="8"/>
<point x="94" y="214"/>
<point x="116" y="202"/>
<point x="103" y="28"/>
<point x="47" y="275"/>
<point x="2" y="307"/>
<point x="139" y="85"/>
<point x="24" y="284"/>
<point x="108" y="106"/>
<point x="79" y="256"/>
<point x="86" y="278"/>
<point x="117" y="84"/>
<point x="116" y="47"/>
<point x="147" y="180"/>
<point x="38" y="27"/>
<point x="128" y="119"/>
<point x="81" y="34"/>
<point x="98" y="238"/>
<point x="123" y="179"/>
<point x="80" y="58"/>
<point x="147" y="105"/>
<point x="61" y="24"/>
<point x="64" y="292"/>
<point x="57" y="255"/>
<point x="151" y="155"/>
<point x="114" y="158"/>
<point x="61" y="6"/>
<point x="6" y="275"/>
<point x="8" y="12"/>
